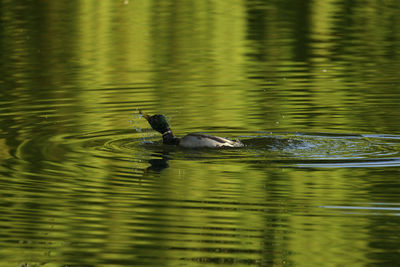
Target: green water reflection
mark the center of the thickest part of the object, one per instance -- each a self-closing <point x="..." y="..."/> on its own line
<point x="84" y="181"/>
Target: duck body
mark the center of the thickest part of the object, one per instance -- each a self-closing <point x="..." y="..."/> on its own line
<point x="196" y="140"/>
<point x="192" y="140"/>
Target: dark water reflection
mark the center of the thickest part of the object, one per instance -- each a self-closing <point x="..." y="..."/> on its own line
<point x="310" y="88"/>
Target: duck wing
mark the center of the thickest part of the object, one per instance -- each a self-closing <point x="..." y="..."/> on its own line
<point x="194" y="140"/>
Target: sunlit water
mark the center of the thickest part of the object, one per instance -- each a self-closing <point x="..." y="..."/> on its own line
<point x="311" y="90"/>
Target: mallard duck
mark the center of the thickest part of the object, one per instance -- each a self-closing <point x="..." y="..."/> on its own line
<point x="193" y="140"/>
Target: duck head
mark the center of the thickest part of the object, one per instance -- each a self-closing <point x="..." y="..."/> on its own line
<point x="157" y="122"/>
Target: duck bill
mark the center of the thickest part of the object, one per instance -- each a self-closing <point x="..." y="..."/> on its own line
<point x="144" y="114"/>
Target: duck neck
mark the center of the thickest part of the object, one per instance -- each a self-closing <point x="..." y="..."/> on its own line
<point x="169" y="138"/>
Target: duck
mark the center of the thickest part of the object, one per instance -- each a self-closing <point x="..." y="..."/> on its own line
<point x="192" y="140"/>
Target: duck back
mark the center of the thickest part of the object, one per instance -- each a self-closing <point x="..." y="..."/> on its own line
<point x="204" y="140"/>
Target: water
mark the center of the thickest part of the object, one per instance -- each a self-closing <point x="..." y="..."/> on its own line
<point x="311" y="89"/>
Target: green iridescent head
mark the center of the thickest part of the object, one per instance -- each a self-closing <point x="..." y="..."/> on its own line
<point x="157" y="122"/>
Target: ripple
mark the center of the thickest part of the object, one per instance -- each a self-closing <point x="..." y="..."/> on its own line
<point x="290" y="149"/>
<point x="301" y="150"/>
<point x="373" y="208"/>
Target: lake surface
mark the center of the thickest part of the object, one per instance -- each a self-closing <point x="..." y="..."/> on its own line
<point x="312" y="88"/>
